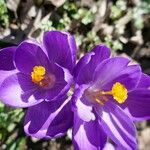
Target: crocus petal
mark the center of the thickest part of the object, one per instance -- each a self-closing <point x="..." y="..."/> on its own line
<point x="61" y="48"/>
<point x="49" y="119"/>
<point x="108" y="70"/>
<point x="68" y="79"/>
<point x="83" y="111"/>
<point x="17" y="91"/>
<point x="137" y="105"/>
<point x="6" y="74"/>
<point x="6" y="61"/>
<point x="129" y="77"/>
<point x="109" y="146"/>
<point x="89" y="62"/>
<point x="88" y="135"/>
<point x="144" y="81"/>
<point x="82" y="62"/>
<point x="119" y="127"/>
<point x="29" y="54"/>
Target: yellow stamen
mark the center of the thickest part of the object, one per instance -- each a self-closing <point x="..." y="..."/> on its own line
<point x="37" y="74"/>
<point x="119" y="92"/>
<point x="99" y="101"/>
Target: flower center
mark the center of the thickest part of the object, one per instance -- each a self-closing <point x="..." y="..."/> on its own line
<point x="118" y="92"/>
<point x="40" y="77"/>
<point x="38" y="74"/>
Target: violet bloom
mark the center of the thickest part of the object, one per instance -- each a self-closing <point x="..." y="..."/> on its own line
<point x="38" y="76"/>
<point x="109" y="95"/>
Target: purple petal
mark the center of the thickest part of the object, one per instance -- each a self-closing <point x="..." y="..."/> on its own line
<point x="91" y="60"/>
<point x="119" y="127"/>
<point x="5" y="74"/>
<point x="29" y="54"/>
<point x="83" y="111"/>
<point x="87" y="65"/>
<point x="144" y="81"/>
<point x="17" y="90"/>
<point x="68" y="79"/>
<point x="49" y="119"/>
<point x="6" y="61"/>
<point x="61" y="48"/>
<point x="109" y="146"/>
<point x="108" y="70"/>
<point x="82" y="63"/>
<point x="129" y="77"/>
<point x="88" y="135"/>
<point x="138" y="104"/>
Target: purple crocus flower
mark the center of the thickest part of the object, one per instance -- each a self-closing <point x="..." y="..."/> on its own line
<point x="109" y="95"/>
<point x="38" y="76"/>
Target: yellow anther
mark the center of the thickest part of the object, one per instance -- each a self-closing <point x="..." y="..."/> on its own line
<point x="99" y="101"/>
<point x="37" y="74"/>
<point x="119" y="92"/>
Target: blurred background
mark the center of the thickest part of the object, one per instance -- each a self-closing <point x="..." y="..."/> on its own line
<point x="123" y="25"/>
